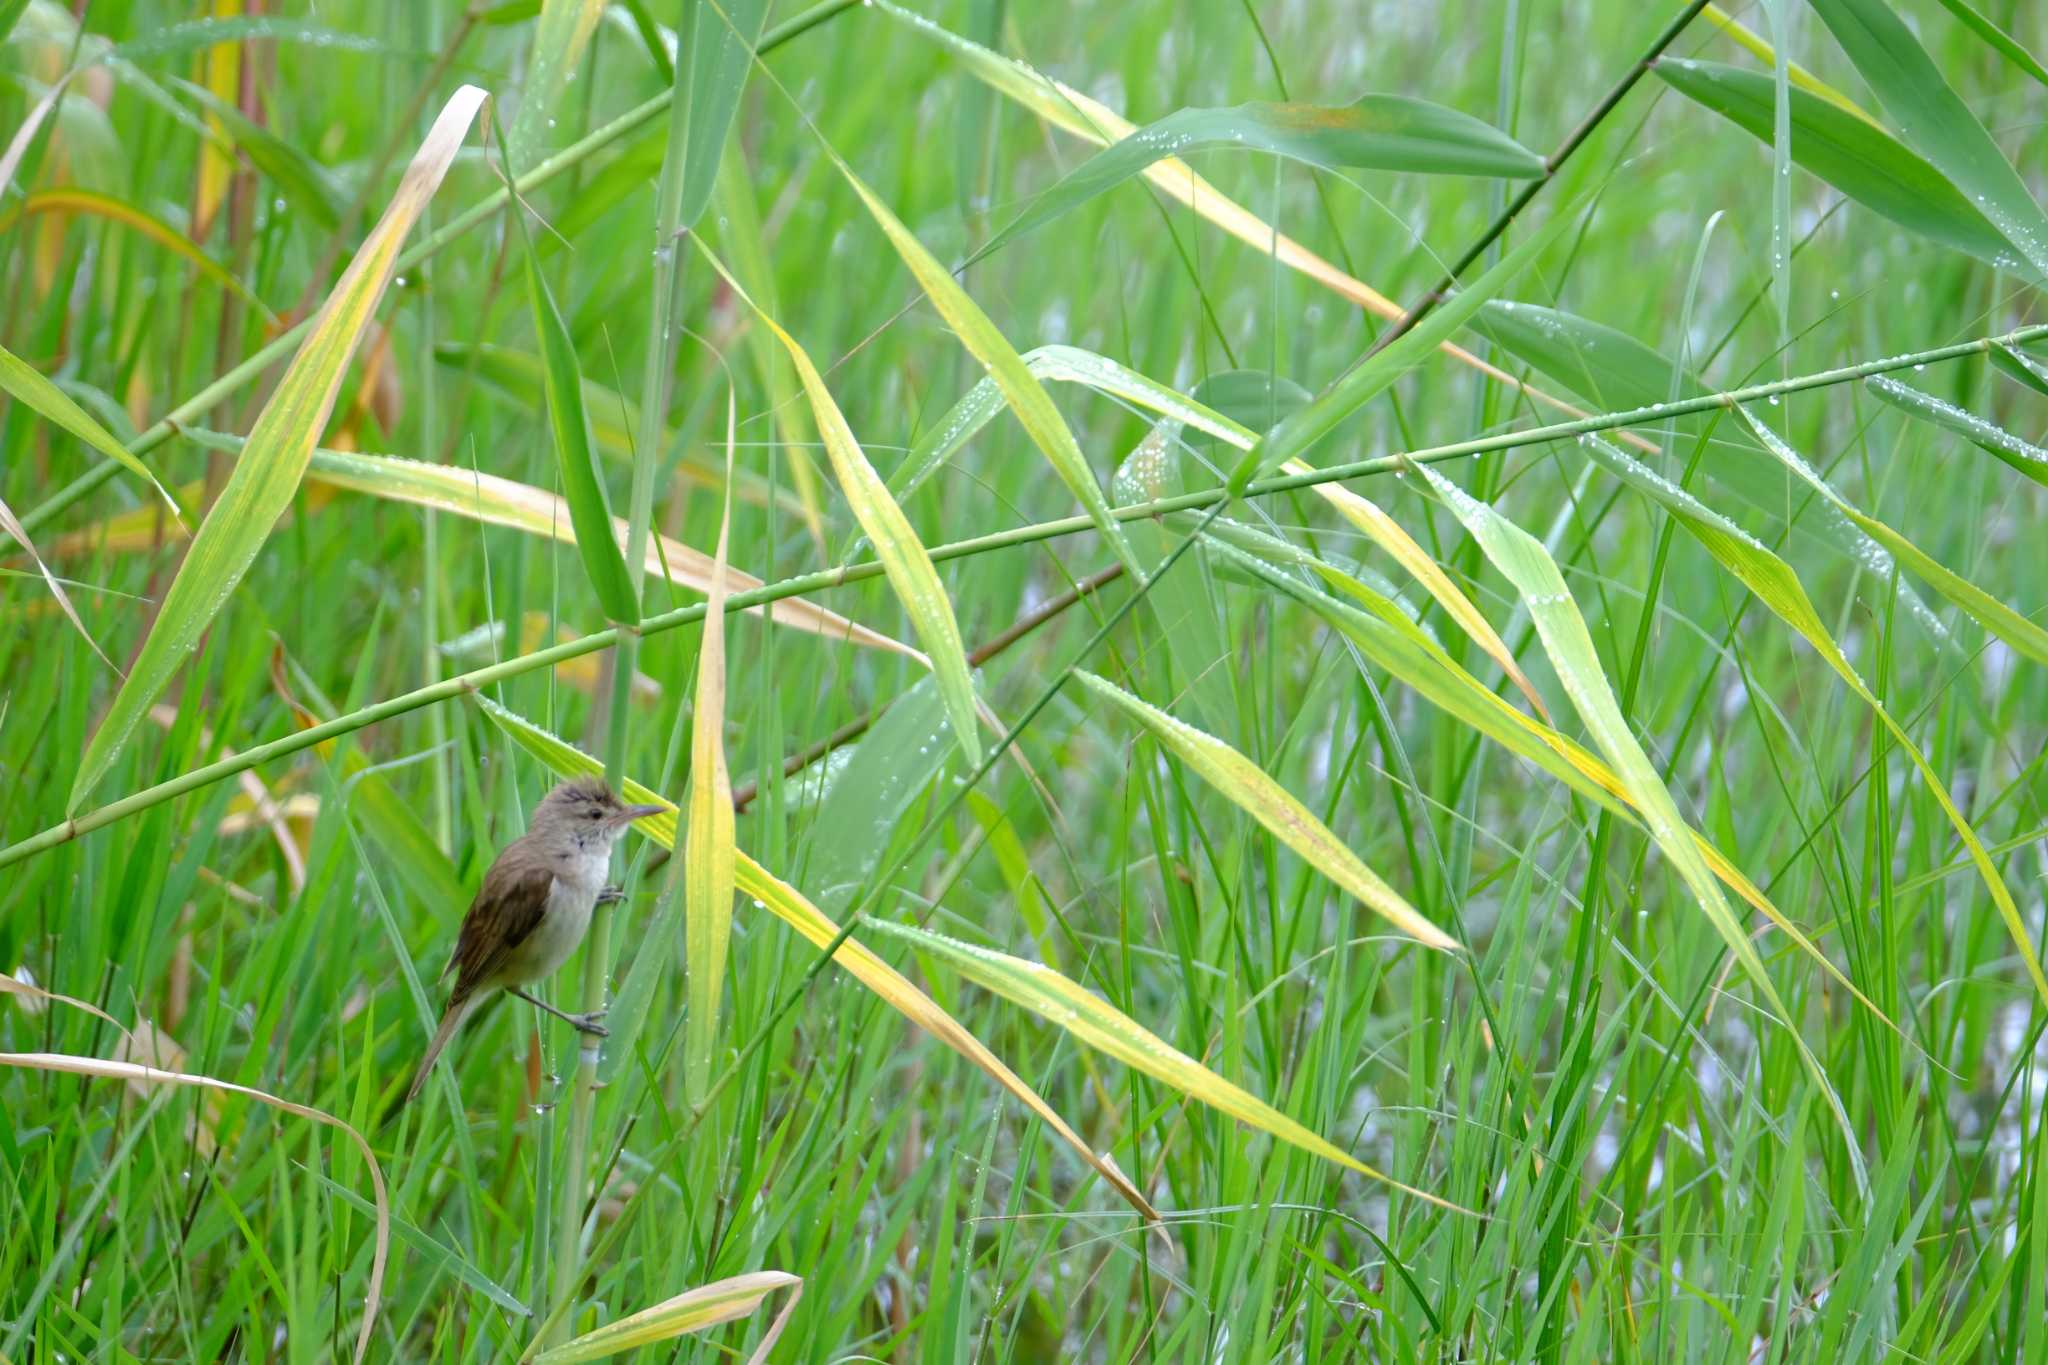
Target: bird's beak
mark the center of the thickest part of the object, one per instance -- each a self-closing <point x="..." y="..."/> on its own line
<point x="629" y="814"/>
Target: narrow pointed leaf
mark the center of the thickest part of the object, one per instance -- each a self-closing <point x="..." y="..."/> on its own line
<point x="1100" y="1025"/>
<point x="1774" y="583"/>
<point x="1997" y="38"/>
<point x="708" y="859"/>
<point x="1521" y="558"/>
<point x="1934" y="118"/>
<point x="2016" y="630"/>
<point x="790" y="906"/>
<point x="1248" y="788"/>
<point x="2024" y="456"/>
<point x="1864" y="162"/>
<point x="559" y="37"/>
<point x="562" y="383"/>
<point x="10" y="524"/>
<point x="691" y="1311"/>
<point x="709" y="83"/>
<point x="904" y="558"/>
<point x="2020" y="367"/>
<point x="280" y="445"/>
<point x="1377" y="132"/>
<point x="1034" y="407"/>
<point x="28" y="384"/>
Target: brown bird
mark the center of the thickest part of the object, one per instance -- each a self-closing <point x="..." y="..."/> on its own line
<point x="533" y="908"/>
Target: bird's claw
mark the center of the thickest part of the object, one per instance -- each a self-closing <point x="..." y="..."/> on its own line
<point x="588" y="1024"/>
<point x="611" y="895"/>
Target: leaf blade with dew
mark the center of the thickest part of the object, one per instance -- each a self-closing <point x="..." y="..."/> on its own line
<point x="32" y="387"/>
<point x="135" y="1073"/>
<point x="1995" y="616"/>
<point x="1258" y="795"/>
<point x="693" y="1310"/>
<point x="11" y="525"/>
<point x="708" y="858"/>
<point x="1932" y="116"/>
<point x="495" y="501"/>
<point x="1760" y="48"/>
<point x="1376" y="132"/>
<point x="1070" y="110"/>
<point x="1100" y="1025"/>
<point x="1521" y="558"/>
<point x="562" y="384"/>
<point x="905" y="561"/>
<point x="1028" y="400"/>
<point x="559" y="38"/>
<point x="279" y="447"/>
<point x="2024" y="456"/>
<point x="1774" y="583"/>
<point x="2020" y="367"/>
<point x="1864" y="162"/>
<point x="793" y="908"/>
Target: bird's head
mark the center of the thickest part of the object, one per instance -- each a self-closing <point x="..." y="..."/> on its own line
<point x="585" y="812"/>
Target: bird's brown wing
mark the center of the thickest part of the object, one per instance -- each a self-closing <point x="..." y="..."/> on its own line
<point x="507" y="908"/>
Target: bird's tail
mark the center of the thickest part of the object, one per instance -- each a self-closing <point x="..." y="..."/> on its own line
<point x="451" y="1019"/>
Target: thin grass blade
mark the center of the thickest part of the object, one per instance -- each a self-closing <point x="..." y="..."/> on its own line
<point x="28" y="384"/>
<point x="279" y="448"/>
<point x="694" y="1310"/>
<point x="1251" y="790"/>
<point x="2024" y="456"/>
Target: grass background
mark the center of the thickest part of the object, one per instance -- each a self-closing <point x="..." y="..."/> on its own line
<point x="1661" y="1179"/>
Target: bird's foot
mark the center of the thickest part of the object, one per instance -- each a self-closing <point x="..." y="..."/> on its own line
<point x="589" y="1023"/>
<point x="611" y="895"/>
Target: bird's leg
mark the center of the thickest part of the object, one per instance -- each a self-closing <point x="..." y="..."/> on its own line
<point x="611" y="895"/>
<point x="582" y="1023"/>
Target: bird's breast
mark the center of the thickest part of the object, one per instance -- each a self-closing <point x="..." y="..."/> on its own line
<point x="561" y="928"/>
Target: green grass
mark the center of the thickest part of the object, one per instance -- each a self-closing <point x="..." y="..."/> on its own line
<point x="1676" y="1148"/>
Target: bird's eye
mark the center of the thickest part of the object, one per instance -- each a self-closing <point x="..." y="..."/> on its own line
<point x="596" y="814"/>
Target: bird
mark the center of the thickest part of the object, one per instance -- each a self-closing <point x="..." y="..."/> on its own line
<point x="533" y="908"/>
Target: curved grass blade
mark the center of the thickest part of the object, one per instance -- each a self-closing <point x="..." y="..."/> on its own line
<point x="279" y="447"/>
<point x="1931" y="114"/>
<point x="2024" y="456"/>
<point x="137" y="1074"/>
<point x="496" y="501"/>
<point x="2020" y="367"/>
<point x="1027" y="397"/>
<point x="297" y="177"/>
<point x="1774" y="583"/>
<point x="71" y="199"/>
<point x="2008" y="625"/>
<point x="790" y="906"/>
<point x="28" y="384"/>
<point x="562" y="383"/>
<point x="708" y="860"/>
<point x="1100" y="1025"/>
<point x="10" y="524"/>
<point x="1249" y="788"/>
<point x="1377" y="132"/>
<point x="1997" y="38"/>
<point x="693" y="1310"/>
<point x="1861" y="160"/>
<point x="904" y="558"/>
<point x="1522" y="559"/>
<point x="559" y="37"/>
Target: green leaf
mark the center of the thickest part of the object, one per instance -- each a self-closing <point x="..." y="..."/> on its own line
<point x="905" y="560"/>
<point x="2008" y="625"/>
<point x="1027" y="397"/>
<point x="1521" y="558"/>
<point x="1863" y="162"/>
<point x="1253" y="399"/>
<point x="1610" y="367"/>
<point x="562" y="383"/>
<point x="279" y="446"/>
<point x="309" y="187"/>
<point x="1098" y="1024"/>
<point x="29" y="385"/>
<point x="1249" y="789"/>
<point x="558" y="41"/>
<point x="719" y="57"/>
<point x="1997" y="38"/>
<point x="1378" y="132"/>
<point x="2020" y="367"/>
<point x="2024" y="456"/>
<point x="1934" y="118"/>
